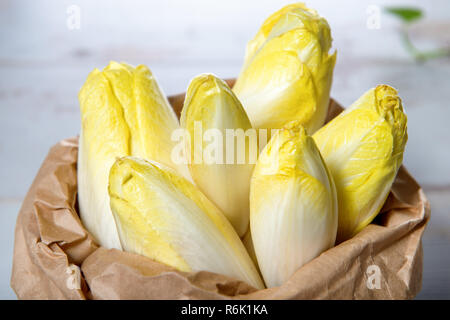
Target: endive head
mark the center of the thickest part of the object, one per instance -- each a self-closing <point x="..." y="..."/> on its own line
<point x="363" y="148"/>
<point x="128" y="99"/>
<point x="291" y="154"/>
<point x="218" y="148"/>
<point x="161" y="215"/>
<point x="384" y="101"/>
<point x="293" y="207"/>
<point x="287" y="18"/>
<point x="287" y="72"/>
<point x="123" y="112"/>
<point x="211" y="101"/>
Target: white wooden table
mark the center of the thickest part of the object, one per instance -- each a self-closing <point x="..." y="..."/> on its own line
<point x="44" y="61"/>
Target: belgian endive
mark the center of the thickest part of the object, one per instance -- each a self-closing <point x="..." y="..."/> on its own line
<point x="220" y="152"/>
<point x="287" y="72"/>
<point x="293" y="208"/>
<point x="363" y="148"/>
<point x="123" y="112"/>
<point x="163" y="216"/>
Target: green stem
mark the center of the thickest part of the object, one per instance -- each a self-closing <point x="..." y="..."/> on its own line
<point x="421" y="55"/>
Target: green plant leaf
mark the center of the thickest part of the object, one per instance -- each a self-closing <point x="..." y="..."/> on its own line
<point x="406" y="14"/>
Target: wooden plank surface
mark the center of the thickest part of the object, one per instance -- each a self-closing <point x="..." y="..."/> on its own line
<point x="43" y="63"/>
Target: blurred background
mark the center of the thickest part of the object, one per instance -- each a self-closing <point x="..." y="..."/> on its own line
<point x="49" y="47"/>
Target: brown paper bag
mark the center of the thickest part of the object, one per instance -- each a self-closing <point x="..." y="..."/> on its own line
<point x="56" y="258"/>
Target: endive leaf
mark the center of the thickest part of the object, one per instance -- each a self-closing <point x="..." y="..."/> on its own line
<point x="161" y="215"/>
<point x="293" y="207"/>
<point x="363" y="148"/>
